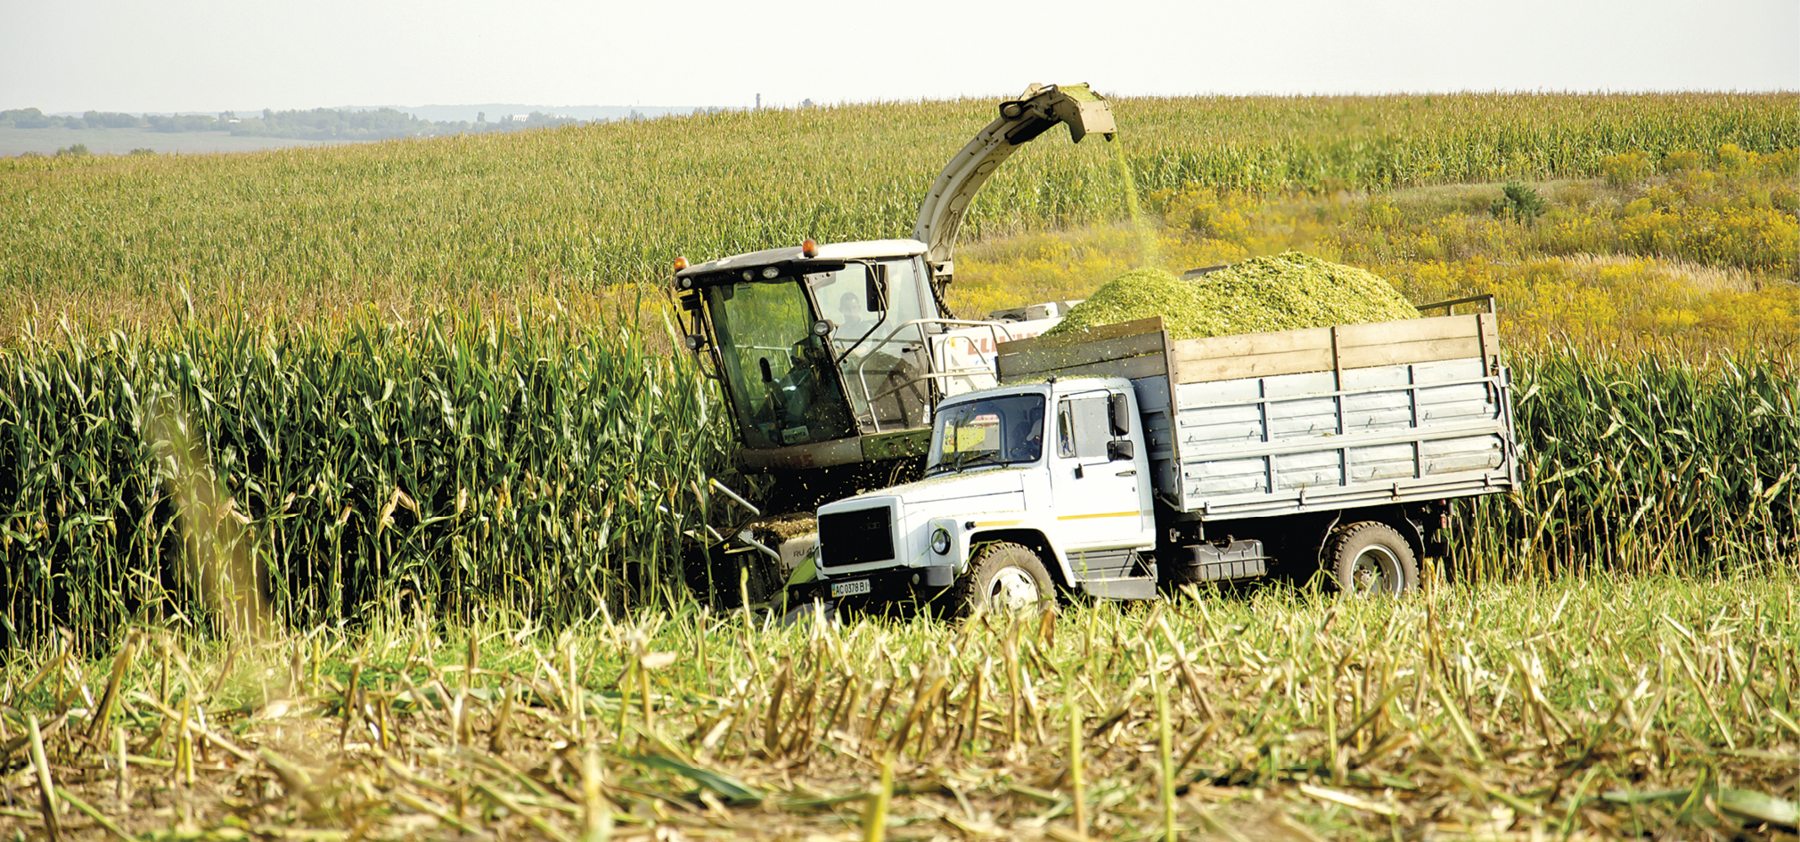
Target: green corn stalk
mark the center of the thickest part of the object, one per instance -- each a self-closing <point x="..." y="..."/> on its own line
<point x="466" y="463"/>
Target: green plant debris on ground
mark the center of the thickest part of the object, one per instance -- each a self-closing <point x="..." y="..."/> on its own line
<point x="1281" y="292"/>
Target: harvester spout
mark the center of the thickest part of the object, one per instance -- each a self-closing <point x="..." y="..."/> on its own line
<point x="1020" y="121"/>
<point x="1085" y="111"/>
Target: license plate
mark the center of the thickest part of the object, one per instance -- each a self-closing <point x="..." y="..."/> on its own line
<point x="850" y="588"/>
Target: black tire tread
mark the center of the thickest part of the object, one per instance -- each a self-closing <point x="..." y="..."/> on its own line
<point x="969" y="589"/>
<point x="1346" y="536"/>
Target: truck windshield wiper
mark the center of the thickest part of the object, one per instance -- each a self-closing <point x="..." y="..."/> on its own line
<point x="966" y="459"/>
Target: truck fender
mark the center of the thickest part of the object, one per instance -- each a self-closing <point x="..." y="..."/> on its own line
<point x="1415" y="517"/>
<point x="1033" y="540"/>
<point x="1318" y="546"/>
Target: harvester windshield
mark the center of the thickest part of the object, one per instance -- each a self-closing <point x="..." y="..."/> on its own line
<point x="779" y="372"/>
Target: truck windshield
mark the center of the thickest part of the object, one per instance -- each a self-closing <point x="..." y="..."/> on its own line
<point x="989" y="431"/>
<point x="779" y="374"/>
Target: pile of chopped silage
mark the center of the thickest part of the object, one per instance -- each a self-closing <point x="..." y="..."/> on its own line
<point x="1282" y="292"/>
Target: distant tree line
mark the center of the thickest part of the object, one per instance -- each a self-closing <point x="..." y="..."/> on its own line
<point x="316" y="124"/>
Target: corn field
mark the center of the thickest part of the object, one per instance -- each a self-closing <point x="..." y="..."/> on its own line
<point x="530" y="465"/>
<point x="533" y="465"/>
<point x="1646" y="464"/>
<point x="330" y="418"/>
<point x="343" y="494"/>
<point x="436" y="220"/>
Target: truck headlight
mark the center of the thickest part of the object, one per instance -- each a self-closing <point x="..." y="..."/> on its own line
<point x="940" y="541"/>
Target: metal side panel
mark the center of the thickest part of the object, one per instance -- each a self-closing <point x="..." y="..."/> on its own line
<point x="1159" y="437"/>
<point x="1152" y="393"/>
<point x="1302" y="470"/>
<point x="1303" y="383"/>
<point x="1303" y="418"/>
<point x="1450" y="403"/>
<point x="1218" y="393"/>
<point x="1228" y="392"/>
<point x="1443" y="371"/>
<point x="1387" y="376"/>
<point x="1134" y="587"/>
<point x="1201" y="480"/>
<point x="1378" y="411"/>
<point x="1328" y="498"/>
<point x="1297" y="442"/>
<point x="1103" y="564"/>
<point x="1156" y="406"/>
<point x="1381" y="462"/>
<point x="1222" y="424"/>
<point x="1452" y="456"/>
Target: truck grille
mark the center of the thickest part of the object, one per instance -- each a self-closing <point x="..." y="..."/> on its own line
<point x="855" y="537"/>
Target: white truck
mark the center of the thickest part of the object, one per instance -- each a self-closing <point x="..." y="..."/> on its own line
<point x="1114" y="460"/>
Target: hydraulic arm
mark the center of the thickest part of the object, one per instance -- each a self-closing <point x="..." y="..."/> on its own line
<point x="1040" y="108"/>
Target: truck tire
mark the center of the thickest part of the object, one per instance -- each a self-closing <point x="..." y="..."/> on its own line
<point x="1001" y="577"/>
<point x="1370" y="558"/>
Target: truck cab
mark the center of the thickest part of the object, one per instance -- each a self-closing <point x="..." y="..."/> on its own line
<point x="1058" y="468"/>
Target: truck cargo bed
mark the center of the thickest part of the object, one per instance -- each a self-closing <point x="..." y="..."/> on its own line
<point x="1304" y="420"/>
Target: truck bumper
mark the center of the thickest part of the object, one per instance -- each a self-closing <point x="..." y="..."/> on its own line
<point x="894" y="585"/>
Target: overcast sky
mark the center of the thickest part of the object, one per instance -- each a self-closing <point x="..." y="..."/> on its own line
<point x="211" y="55"/>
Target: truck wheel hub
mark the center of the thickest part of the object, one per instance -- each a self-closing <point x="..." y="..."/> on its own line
<point x="1012" y="589"/>
<point x="1376" y="571"/>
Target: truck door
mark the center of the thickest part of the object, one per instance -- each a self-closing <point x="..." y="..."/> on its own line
<point x="1100" y="512"/>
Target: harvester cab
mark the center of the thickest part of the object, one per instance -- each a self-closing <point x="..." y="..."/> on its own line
<point x="832" y="357"/>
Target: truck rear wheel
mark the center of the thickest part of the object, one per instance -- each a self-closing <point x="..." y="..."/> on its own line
<point x="1370" y="558"/>
<point x="1002" y="577"/>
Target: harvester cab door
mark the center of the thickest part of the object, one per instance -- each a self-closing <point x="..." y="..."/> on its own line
<point x="1100" y="497"/>
<point x="880" y="347"/>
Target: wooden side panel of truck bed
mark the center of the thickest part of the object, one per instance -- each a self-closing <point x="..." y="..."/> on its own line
<point x="1304" y="420"/>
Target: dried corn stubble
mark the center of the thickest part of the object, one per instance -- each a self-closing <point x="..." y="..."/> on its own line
<point x="1458" y="717"/>
<point x="1283" y="292"/>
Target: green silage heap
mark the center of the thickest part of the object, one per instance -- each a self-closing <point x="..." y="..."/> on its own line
<point x="1283" y="292"/>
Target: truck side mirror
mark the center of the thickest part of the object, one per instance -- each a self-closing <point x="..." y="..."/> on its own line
<point x="1120" y="450"/>
<point x="1119" y="409"/>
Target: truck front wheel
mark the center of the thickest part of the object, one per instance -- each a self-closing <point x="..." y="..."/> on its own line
<point x="1002" y="577"/>
<point x="1371" y="559"/>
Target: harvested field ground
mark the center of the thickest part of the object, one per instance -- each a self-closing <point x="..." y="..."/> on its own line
<point x="1579" y="709"/>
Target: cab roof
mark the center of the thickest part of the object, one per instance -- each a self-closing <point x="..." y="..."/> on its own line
<point x="829" y="255"/>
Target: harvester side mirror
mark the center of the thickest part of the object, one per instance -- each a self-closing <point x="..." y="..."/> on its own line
<point x="1120" y="450"/>
<point x="768" y="374"/>
<point x="1119" y="412"/>
<point x="874" y="289"/>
